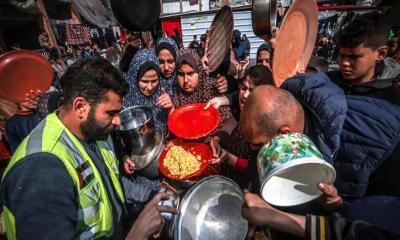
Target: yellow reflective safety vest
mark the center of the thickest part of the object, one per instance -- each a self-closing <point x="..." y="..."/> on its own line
<point x="95" y="217"/>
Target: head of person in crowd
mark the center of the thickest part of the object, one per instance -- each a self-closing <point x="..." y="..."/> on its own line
<point x="244" y="37"/>
<point x="268" y="112"/>
<point x="203" y="38"/>
<point x="145" y="89"/>
<point x="190" y="71"/>
<point x="195" y="86"/>
<point x="393" y="45"/>
<point x="236" y="38"/>
<point x="167" y="52"/>
<point x="143" y="76"/>
<point x="264" y="55"/>
<point x="317" y="64"/>
<point x="134" y="39"/>
<point x="363" y="44"/>
<point x="194" y="37"/>
<point x="93" y="93"/>
<point x="254" y="76"/>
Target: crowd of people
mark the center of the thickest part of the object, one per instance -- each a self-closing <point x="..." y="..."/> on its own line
<point x="69" y="176"/>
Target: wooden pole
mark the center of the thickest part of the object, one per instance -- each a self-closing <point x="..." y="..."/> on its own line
<point x="47" y="26"/>
<point x="180" y="5"/>
<point x="162" y="7"/>
<point x="75" y="14"/>
<point x="200" y="5"/>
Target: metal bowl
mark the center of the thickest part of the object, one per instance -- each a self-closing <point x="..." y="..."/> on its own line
<point x="263" y="16"/>
<point x="135" y="130"/>
<point x="147" y="164"/>
<point x="211" y="209"/>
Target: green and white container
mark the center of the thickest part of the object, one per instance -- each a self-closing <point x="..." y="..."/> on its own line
<point x="290" y="168"/>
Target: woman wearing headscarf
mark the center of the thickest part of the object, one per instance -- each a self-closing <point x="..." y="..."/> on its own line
<point x="145" y="89"/>
<point x="195" y="86"/>
<point x="167" y="52"/>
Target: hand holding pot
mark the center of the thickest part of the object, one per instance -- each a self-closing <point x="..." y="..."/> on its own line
<point x="221" y="84"/>
<point x="150" y="220"/>
<point x="217" y="102"/>
<point x="129" y="165"/>
<point x="330" y="199"/>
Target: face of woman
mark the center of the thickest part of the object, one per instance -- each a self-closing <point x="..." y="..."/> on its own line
<point x="245" y="90"/>
<point x="264" y="58"/>
<point x="149" y="82"/>
<point x="167" y="63"/>
<point x="188" y="79"/>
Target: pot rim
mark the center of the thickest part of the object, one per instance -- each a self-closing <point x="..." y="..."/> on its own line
<point x="264" y="19"/>
<point x="296" y="162"/>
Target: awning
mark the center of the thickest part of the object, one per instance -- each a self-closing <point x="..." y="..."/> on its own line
<point x="96" y="12"/>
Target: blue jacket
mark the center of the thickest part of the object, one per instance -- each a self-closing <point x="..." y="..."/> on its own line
<point x="355" y="133"/>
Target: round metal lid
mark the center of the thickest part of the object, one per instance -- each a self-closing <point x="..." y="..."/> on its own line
<point x="220" y="37"/>
<point x="295" y="41"/>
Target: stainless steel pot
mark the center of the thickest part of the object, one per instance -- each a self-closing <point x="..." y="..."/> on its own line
<point x="211" y="209"/>
<point x="148" y="163"/>
<point x="135" y="130"/>
<point x="263" y="16"/>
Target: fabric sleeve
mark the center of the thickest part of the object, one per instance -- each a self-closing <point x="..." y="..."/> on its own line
<point x="335" y="227"/>
<point x="328" y="104"/>
<point x="42" y="198"/>
<point x="233" y="99"/>
<point x="241" y="164"/>
<point x="13" y="138"/>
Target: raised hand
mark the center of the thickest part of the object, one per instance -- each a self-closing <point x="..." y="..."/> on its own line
<point x="164" y="100"/>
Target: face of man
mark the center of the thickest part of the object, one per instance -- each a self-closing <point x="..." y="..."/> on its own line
<point x="253" y="136"/>
<point x="358" y="64"/>
<point x="102" y="119"/>
<point x="251" y="131"/>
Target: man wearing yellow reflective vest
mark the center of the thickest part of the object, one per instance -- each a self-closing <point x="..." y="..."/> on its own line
<point x="63" y="180"/>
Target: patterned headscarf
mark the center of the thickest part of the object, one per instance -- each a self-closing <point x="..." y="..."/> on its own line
<point x="205" y="89"/>
<point x="170" y="84"/>
<point x="135" y="97"/>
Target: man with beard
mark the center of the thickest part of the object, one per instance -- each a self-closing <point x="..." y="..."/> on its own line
<point x="63" y="180"/>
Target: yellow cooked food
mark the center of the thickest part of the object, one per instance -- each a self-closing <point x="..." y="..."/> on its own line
<point x="180" y="162"/>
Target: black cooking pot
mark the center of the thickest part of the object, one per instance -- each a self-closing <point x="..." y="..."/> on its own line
<point x="136" y="15"/>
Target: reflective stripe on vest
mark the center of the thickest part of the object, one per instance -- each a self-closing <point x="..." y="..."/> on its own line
<point x="95" y="218"/>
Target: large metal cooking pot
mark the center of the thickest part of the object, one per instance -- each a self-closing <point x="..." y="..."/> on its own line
<point x="136" y="15"/>
<point x="135" y="130"/>
<point x="263" y="16"/>
<point x="211" y="209"/>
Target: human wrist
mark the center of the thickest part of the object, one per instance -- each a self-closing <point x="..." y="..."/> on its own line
<point x="231" y="159"/>
<point x="136" y="234"/>
<point x="287" y="222"/>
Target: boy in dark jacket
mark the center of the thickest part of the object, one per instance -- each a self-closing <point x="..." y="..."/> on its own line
<point x="364" y="70"/>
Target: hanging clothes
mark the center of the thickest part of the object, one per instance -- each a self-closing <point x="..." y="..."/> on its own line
<point x="78" y="34"/>
<point x="117" y="32"/>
